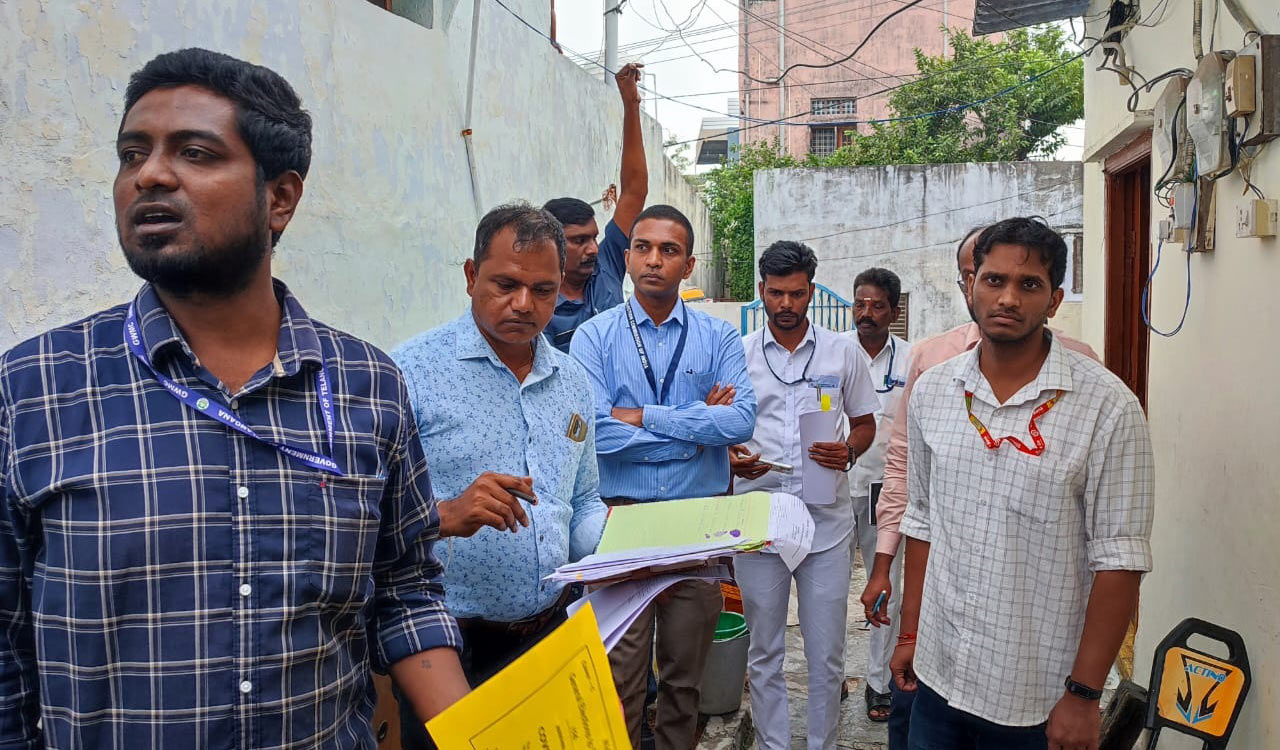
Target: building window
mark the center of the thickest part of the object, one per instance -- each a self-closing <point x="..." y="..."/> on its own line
<point x="823" y="140"/>
<point x="900" y="328"/>
<point x="838" y="106"/>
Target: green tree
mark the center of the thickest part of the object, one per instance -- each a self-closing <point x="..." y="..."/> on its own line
<point x="1014" y="120"/>
<point x="730" y="197"/>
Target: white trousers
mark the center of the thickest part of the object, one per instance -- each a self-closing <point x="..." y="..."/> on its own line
<point x="822" y="587"/>
<point x="883" y="638"/>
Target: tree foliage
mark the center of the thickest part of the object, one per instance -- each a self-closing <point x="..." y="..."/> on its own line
<point x="730" y="198"/>
<point x="1006" y="125"/>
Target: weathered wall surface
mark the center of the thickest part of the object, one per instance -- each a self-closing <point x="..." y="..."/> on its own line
<point x="1214" y="437"/>
<point x="388" y="217"/>
<point x="909" y="219"/>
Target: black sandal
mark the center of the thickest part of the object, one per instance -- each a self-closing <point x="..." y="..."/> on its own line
<point x="877" y="702"/>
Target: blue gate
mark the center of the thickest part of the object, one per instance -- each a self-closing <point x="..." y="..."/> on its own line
<point x="827" y="309"/>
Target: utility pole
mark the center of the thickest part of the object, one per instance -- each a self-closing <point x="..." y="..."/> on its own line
<point x="782" y="64"/>
<point x="611" y="10"/>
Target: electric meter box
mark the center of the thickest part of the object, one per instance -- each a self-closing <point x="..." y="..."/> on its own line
<point x="1207" y="115"/>
<point x="1170" y="124"/>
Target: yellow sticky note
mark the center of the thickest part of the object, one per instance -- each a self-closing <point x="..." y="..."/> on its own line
<point x="826" y="402"/>
<point x="558" y="694"/>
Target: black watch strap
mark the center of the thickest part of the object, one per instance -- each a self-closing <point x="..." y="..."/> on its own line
<point x="853" y="457"/>
<point x="1082" y="691"/>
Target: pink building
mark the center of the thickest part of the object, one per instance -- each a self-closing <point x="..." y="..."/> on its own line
<point x="777" y="33"/>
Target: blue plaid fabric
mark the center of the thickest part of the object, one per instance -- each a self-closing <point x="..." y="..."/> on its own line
<point x="168" y="582"/>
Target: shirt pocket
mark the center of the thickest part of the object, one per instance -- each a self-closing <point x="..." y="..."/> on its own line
<point x="342" y="538"/>
<point x="691" y="387"/>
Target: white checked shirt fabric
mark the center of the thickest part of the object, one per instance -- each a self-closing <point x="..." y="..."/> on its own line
<point x="888" y="376"/>
<point x="1015" y="539"/>
<point x="778" y="408"/>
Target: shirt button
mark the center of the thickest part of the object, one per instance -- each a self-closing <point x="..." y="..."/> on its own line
<point x="242" y="492"/>
<point x="664" y="489"/>
<point x="246" y="686"/>
<point x="245" y="589"/>
<point x="235" y="403"/>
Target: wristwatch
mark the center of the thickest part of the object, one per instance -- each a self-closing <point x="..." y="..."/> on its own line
<point x="1082" y="691"/>
<point x="852" y="457"/>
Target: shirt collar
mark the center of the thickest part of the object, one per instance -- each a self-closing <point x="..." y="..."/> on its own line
<point x="298" y="341"/>
<point x="1054" y="375"/>
<point x="887" y="350"/>
<point x="810" y="338"/>
<point x="642" y="317"/>
<point x="471" y="344"/>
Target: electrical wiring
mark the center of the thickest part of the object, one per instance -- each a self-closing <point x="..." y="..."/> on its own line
<point x="922" y="115"/>
<point x="785" y="121"/>
<point x="1187" y="248"/>
<point x="1146" y="296"/>
<point x="818" y="66"/>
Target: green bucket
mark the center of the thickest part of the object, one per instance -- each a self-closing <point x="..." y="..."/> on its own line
<point x="730" y="626"/>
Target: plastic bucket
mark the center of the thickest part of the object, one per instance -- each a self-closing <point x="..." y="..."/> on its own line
<point x="726" y="670"/>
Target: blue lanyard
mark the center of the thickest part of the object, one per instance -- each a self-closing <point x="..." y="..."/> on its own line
<point x="217" y="413"/>
<point x="890" y="382"/>
<point x="644" y="357"/>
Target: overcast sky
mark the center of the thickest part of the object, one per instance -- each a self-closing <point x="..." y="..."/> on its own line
<point x="710" y="28"/>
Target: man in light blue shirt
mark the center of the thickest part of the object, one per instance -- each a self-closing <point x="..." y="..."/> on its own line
<point x="505" y="417"/>
<point x="671" y="394"/>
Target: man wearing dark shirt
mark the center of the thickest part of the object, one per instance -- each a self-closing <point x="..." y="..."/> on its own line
<point x="593" y="271"/>
<point x="215" y="516"/>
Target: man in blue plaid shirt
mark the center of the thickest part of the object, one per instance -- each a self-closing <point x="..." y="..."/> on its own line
<point x="215" y="516"/>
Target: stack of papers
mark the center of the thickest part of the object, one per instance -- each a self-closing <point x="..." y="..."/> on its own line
<point x="679" y="534"/>
<point x="618" y="605"/>
<point x="558" y="694"/>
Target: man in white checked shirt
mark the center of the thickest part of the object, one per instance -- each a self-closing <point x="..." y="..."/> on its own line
<point x="1029" y="519"/>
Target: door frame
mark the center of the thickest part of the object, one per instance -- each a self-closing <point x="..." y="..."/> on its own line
<point x="1127" y="176"/>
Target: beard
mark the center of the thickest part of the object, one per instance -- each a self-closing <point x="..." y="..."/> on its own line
<point x="218" y="271"/>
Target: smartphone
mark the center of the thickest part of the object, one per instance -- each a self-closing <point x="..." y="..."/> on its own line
<point x="777" y="466"/>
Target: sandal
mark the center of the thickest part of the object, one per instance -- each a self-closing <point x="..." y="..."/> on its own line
<point x="877" y="705"/>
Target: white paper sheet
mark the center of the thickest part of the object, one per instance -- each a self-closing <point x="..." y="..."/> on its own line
<point x="618" y="605"/>
<point x="790" y="528"/>
<point x="817" y="483"/>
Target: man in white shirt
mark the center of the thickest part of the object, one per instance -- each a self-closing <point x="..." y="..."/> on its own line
<point x="797" y="368"/>
<point x="876" y="294"/>
<point x="1028" y="521"/>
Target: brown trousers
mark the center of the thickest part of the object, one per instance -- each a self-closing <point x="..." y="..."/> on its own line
<point x="683" y="619"/>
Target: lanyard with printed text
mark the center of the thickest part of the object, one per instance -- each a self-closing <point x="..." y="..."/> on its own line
<point x="993" y="443"/>
<point x="217" y="413"/>
<point x="644" y="357"/>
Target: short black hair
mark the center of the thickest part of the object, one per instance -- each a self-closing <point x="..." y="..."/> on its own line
<point x="670" y="213"/>
<point x="570" y="210"/>
<point x="268" y="111"/>
<point x="972" y="231"/>
<point x="786" y="257"/>
<point x="1032" y="233"/>
<point x="532" y="225"/>
<point x="883" y="279"/>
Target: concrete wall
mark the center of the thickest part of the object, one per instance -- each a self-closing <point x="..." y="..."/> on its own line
<point x="1212" y="401"/>
<point x="830" y="31"/>
<point x="388" y="217"/>
<point x="909" y="219"/>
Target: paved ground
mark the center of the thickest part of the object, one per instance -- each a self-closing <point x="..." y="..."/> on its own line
<point x="856" y="732"/>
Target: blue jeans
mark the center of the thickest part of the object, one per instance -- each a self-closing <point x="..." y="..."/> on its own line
<point x="899" y="716"/>
<point x="937" y="726"/>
